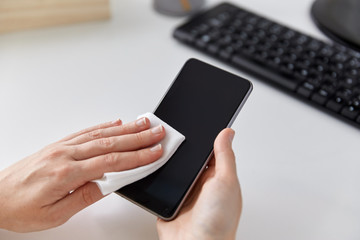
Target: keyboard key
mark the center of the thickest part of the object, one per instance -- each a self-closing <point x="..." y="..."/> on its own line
<point x="213" y="48"/>
<point x="319" y="98"/>
<point x="226" y="53"/>
<point x="350" y="112"/>
<point x="306" y="89"/>
<point x="334" y="105"/>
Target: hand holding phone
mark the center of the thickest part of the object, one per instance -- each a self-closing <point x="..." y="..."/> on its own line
<point x="212" y="209"/>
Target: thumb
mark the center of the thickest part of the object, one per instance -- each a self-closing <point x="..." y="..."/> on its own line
<point x="224" y="154"/>
<point x="81" y="198"/>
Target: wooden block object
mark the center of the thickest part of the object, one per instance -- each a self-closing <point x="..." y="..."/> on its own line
<point x="26" y="14"/>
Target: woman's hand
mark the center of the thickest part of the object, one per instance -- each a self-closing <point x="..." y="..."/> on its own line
<point x="213" y="209"/>
<point x="45" y="189"/>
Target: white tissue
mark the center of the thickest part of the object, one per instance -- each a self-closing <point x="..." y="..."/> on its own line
<point x="113" y="181"/>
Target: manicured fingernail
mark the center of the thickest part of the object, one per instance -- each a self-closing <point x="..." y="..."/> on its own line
<point x="141" y="122"/>
<point x="156" y="148"/>
<point x="157" y="129"/>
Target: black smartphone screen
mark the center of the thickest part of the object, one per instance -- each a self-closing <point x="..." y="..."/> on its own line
<point x="201" y="102"/>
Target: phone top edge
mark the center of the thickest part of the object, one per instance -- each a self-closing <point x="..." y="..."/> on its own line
<point x="197" y="60"/>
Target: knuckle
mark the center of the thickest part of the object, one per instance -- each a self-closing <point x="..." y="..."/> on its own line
<point x="55" y="152"/>
<point x="95" y="134"/>
<point x="106" y="142"/>
<point x="87" y="197"/>
<point x="110" y="160"/>
<point x="140" y="158"/>
<point x="64" y="171"/>
<point x="140" y="138"/>
<point x="73" y="152"/>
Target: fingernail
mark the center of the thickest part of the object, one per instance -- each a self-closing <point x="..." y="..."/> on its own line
<point x="231" y="136"/>
<point x="117" y="121"/>
<point x="141" y="122"/>
<point x="156" y="148"/>
<point x="157" y="129"/>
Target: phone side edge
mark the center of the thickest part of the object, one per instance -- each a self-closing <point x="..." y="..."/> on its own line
<point x="241" y="104"/>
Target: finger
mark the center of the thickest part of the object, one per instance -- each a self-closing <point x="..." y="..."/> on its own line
<point x="132" y="127"/>
<point x="129" y="142"/>
<point x="119" y="161"/>
<point x="87" y="130"/>
<point x="79" y="199"/>
<point x="224" y="155"/>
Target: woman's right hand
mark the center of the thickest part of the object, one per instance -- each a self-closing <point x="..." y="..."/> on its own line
<point x="45" y="189"/>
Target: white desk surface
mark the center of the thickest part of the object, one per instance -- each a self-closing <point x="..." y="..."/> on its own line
<point x="298" y="167"/>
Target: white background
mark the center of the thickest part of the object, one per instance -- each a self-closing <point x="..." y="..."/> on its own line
<point x="298" y="167"/>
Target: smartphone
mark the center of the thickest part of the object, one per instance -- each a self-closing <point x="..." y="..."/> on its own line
<point x="200" y="102"/>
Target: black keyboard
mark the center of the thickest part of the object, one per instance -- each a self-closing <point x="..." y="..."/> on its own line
<point x="325" y="75"/>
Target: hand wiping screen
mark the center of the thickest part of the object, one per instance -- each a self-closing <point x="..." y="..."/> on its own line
<point x="113" y="181"/>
